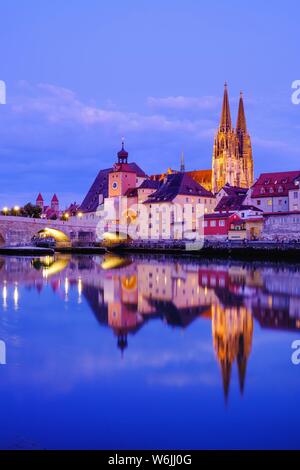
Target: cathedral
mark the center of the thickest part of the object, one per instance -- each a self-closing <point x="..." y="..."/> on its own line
<point x="232" y="161"/>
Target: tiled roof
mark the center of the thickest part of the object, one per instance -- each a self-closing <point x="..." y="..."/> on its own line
<point x="150" y="184"/>
<point x="217" y="215"/>
<point x="247" y="207"/>
<point x="230" y="203"/>
<point x="125" y="167"/>
<point x="234" y="190"/>
<point x="40" y="197"/>
<point x="275" y="184"/>
<point x="54" y="198"/>
<point x="203" y="177"/>
<point x="139" y="172"/>
<point x="178" y="184"/>
<point x="100" y="186"/>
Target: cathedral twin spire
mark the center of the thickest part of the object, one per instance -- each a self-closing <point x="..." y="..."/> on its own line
<point x="232" y="154"/>
<point x="225" y="122"/>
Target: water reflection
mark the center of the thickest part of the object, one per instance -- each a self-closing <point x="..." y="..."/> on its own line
<point x="127" y="294"/>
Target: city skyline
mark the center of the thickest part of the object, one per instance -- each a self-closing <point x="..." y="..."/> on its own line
<point x="71" y="98"/>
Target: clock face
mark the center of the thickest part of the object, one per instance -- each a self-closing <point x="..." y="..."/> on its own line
<point x="115" y="185"/>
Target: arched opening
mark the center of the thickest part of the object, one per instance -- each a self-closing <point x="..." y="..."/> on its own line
<point x="2" y="240"/>
<point x="50" y="237"/>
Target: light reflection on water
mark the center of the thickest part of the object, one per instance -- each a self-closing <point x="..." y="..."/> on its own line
<point x="108" y="352"/>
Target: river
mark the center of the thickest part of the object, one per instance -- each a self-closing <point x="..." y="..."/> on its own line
<point x="104" y="352"/>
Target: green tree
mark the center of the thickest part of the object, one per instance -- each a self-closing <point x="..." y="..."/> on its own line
<point x="29" y="210"/>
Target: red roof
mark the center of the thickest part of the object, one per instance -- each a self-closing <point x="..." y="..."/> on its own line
<point x="40" y="197"/>
<point x="125" y="167"/>
<point x="222" y="215"/>
<point x="275" y="184"/>
<point x="54" y="199"/>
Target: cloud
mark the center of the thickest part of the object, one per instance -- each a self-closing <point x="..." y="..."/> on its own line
<point x="59" y="105"/>
<point x="184" y="102"/>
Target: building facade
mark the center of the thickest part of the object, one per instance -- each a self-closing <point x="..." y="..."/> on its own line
<point x="276" y="192"/>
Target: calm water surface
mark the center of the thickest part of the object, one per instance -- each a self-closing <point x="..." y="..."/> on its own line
<point x="103" y="352"/>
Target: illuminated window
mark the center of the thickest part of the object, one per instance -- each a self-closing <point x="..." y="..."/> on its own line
<point x="269" y="202"/>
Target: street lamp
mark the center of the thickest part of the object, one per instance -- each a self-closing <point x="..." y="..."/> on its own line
<point x="80" y="215"/>
<point x="16" y="210"/>
<point x="5" y="210"/>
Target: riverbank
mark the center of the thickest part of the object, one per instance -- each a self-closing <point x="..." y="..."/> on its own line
<point x="26" y="251"/>
<point x="247" y="251"/>
<point x="223" y="250"/>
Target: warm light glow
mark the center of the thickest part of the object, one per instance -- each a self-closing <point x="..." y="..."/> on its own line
<point x="5" y="210"/>
<point x="66" y="288"/>
<point x="4" y="296"/>
<point x="66" y="215"/>
<point x="16" y="208"/>
<point x="16" y="297"/>
<point x="79" y="288"/>
<point x="80" y="215"/>
<point x="56" y="234"/>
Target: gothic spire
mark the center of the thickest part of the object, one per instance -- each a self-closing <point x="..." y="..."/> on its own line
<point x="241" y="126"/>
<point x="225" y="123"/>
<point x="182" y="164"/>
<point x="226" y="376"/>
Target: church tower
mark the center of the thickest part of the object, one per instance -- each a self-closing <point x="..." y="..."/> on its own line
<point x="232" y="153"/>
<point x="122" y="177"/>
<point x="245" y="148"/>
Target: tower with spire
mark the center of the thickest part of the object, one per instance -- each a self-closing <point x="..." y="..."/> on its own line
<point x="232" y="153"/>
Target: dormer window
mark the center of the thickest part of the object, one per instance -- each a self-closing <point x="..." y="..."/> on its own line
<point x="271" y="190"/>
<point x="284" y="181"/>
<point x="280" y="189"/>
<point x="262" y="191"/>
<point x="267" y="181"/>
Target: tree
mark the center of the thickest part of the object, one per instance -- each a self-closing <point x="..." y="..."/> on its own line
<point x="29" y="210"/>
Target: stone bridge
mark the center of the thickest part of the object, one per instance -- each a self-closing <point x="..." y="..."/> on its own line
<point x="19" y="231"/>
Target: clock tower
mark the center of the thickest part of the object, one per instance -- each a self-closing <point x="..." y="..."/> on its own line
<point x="122" y="177"/>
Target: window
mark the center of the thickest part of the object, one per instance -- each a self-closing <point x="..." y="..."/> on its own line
<point x="258" y="202"/>
<point x="186" y="199"/>
<point x="295" y="195"/>
<point x="213" y="223"/>
<point x="269" y="202"/>
<point x="221" y="223"/>
<point x="271" y="190"/>
<point x="204" y="223"/>
<point x="280" y="202"/>
<point x="199" y="200"/>
<point x="280" y="189"/>
<point x="262" y="191"/>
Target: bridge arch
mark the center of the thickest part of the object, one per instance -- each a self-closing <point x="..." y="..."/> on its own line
<point x="48" y="233"/>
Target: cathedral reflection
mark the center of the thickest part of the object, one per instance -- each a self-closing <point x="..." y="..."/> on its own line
<point x="126" y="294"/>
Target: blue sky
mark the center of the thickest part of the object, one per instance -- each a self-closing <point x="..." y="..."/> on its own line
<point x="82" y="74"/>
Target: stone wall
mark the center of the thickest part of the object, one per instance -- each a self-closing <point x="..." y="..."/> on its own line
<point x="281" y="227"/>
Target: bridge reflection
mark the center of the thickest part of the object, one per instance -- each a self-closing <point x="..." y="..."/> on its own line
<point x="126" y="294"/>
